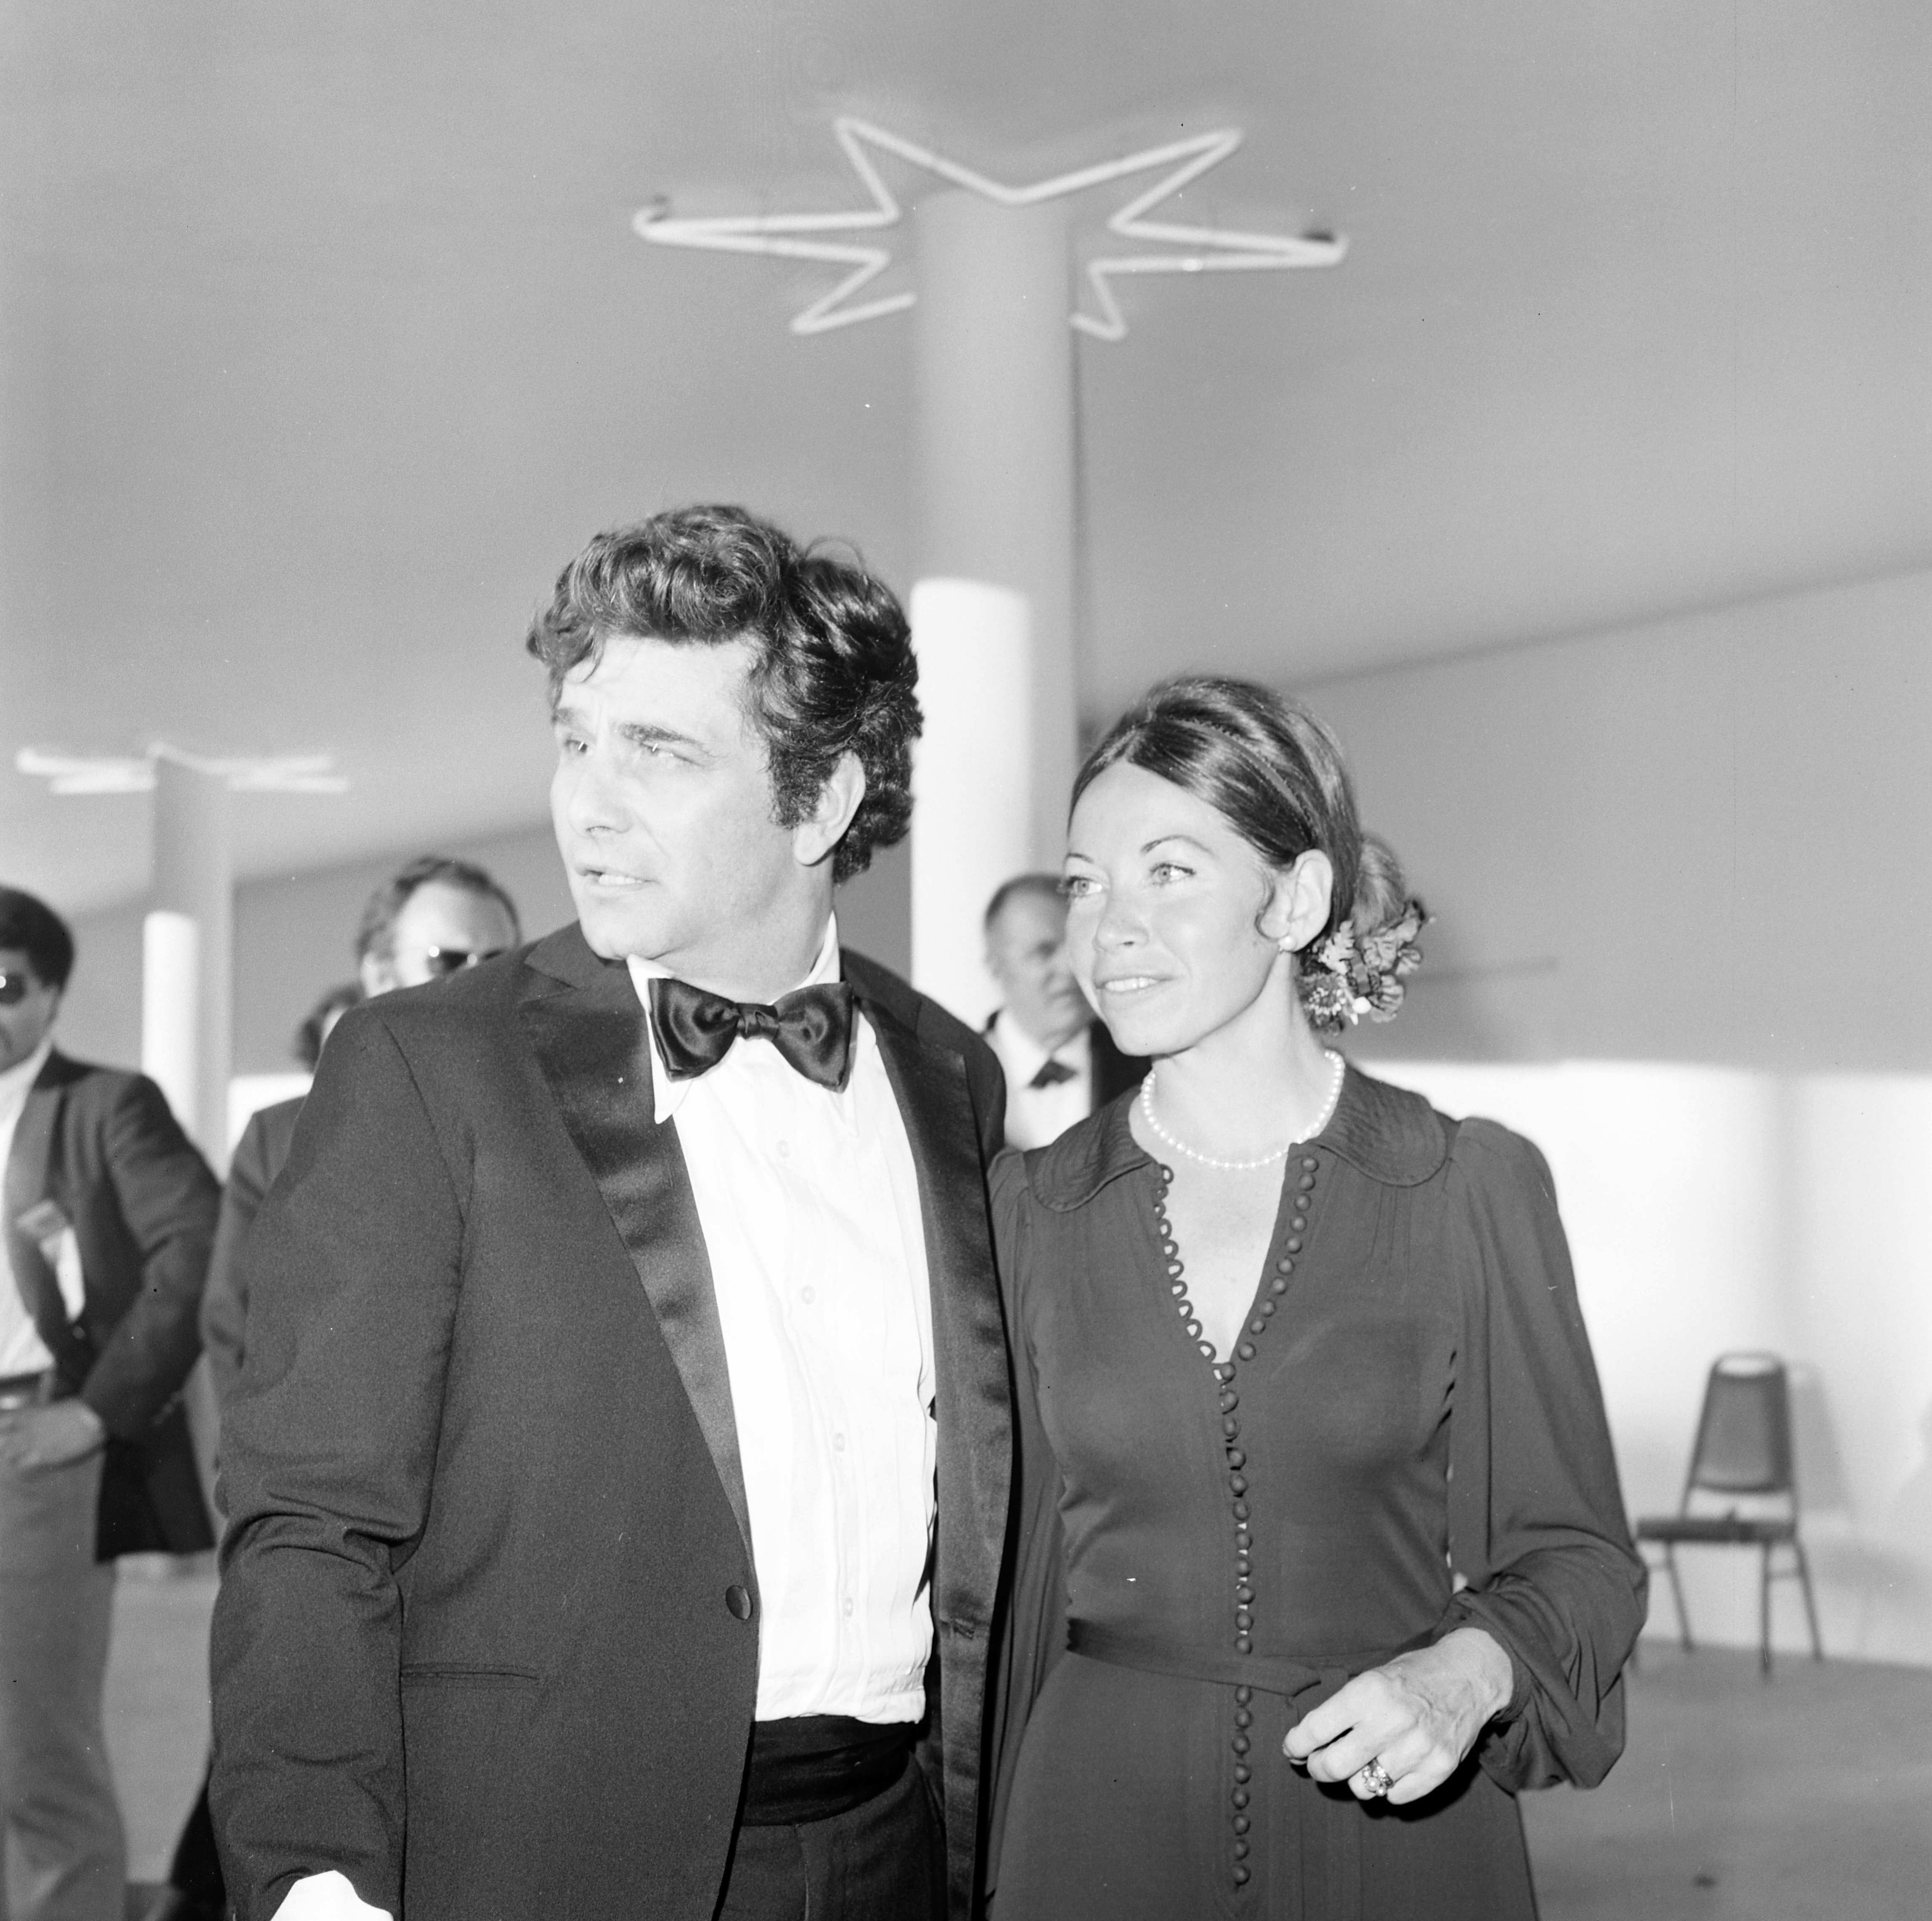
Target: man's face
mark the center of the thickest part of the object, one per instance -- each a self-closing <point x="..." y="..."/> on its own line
<point x="23" y="1022"/>
<point x="662" y="805"/>
<point x="439" y="922"/>
<point x="1026" y="952"/>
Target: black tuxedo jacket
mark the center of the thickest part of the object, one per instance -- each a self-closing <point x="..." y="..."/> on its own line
<point x="1113" y="1072"/>
<point x="479" y="1643"/>
<point x="103" y="1146"/>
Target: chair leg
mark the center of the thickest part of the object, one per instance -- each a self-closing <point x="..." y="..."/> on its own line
<point x="1677" y="1591"/>
<point x="1811" y="1606"/>
<point x="1764" y="1611"/>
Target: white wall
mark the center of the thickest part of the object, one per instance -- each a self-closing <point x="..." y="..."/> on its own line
<point x="1683" y="939"/>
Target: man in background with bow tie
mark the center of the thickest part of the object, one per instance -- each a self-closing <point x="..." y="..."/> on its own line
<point x="1060" y="1063"/>
<point x="618" y="1474"/>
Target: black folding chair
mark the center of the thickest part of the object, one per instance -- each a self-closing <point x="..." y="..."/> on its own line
<point x="1743" y="1447"/>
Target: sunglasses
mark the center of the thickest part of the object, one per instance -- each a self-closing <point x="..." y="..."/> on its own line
<point x="444" y="961"/>
<point x="14" y="987"/>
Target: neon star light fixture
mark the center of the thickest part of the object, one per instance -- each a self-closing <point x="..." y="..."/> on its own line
<point x="88" y="774"/>
<point x="1205" y="250"/>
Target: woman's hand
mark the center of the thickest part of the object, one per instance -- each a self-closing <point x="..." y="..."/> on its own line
<point x="1417" y="1716"/>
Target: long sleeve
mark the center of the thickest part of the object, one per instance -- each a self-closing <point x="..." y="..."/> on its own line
<point x="224" y="1302"/>
<point x="167" y="1200"/>
<point x="1032" y="1632"/>
<point x="328" y="1451"/>
<point x="1536" y="1520"/>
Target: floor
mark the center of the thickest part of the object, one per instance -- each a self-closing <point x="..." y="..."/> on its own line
<point x="1808" y="1798"/>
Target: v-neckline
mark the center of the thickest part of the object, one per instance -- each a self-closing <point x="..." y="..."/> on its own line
<point x="1156" y="1218"/>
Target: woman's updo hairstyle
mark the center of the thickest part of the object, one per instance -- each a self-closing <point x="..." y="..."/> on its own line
<point x="1262" y="761"/>
<point x="1274" y="773"/>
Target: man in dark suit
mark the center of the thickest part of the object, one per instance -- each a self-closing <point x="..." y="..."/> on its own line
<point x="104" y="1243"/>
<point x="1060" y="1063"/>
<point x="434" y="917"/>
<point x="618" y="1477"/>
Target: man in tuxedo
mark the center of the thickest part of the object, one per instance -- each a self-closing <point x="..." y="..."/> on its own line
<point x="1060" y="1063"/>
<point x="104" y="1243"/>
<point x="434" y="917"/>
<point x="618" y="1476"/>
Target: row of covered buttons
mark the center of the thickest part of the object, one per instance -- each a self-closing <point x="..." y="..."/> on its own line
<point x="1237" y="1483"/>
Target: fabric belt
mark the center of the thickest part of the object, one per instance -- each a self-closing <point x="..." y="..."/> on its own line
<point x="1331" y="1820"/>
<point x="812" y="1766"/>
<point x="1320" y="1676"/>
<point x="34" y="1390"/>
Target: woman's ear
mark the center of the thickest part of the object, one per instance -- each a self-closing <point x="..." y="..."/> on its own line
<point x="822" y="829"/>
<point x="1298" y="910"/>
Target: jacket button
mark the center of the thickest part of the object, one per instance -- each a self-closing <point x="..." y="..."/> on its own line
<point x="739" y="1601"/>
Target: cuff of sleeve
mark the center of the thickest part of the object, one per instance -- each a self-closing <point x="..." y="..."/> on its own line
<point x="1466" y="1610"/>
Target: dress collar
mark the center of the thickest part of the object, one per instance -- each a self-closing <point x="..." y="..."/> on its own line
<point x="1387" y="1132"/>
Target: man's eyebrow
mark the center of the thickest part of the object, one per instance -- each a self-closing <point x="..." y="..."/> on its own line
<point x="648" y="733"/>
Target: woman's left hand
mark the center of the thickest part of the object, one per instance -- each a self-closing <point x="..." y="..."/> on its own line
<point x="1417" y="1716"/>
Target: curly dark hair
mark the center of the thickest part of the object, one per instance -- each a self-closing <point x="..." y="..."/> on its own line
<point x="834" y="673"/>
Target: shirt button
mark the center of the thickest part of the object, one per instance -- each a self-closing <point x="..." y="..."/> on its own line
<point x="738" y="1601"/>
<point x="807" y="1295"/>
<point x="848" y="1608"/>
<point x="785" y="1150"/>
<point x="838" y="1441"/>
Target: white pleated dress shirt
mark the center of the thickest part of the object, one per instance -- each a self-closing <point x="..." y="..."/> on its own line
<point x="809" y="1204"/>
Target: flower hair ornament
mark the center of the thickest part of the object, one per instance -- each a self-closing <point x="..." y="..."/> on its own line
<point x="1344" y="978"/>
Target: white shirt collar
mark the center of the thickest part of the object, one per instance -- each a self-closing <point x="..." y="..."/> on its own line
<point x="1023" y="1057"/>
<point x="17" y="1081"/>
<point x="669" y="1095"/>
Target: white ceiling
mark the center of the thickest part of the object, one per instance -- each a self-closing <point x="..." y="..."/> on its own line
<point x="324" y="341"/>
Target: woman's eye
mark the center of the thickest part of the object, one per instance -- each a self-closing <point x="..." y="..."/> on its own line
<point x="1078" y="886"/>
<point x="1165" y="871"/>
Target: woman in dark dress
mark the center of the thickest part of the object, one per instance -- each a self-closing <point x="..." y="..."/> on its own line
<point x="1321" y="1555"/>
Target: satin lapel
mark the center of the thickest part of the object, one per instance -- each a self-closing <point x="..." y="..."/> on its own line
<point x="968" y="1327"/>
<point x="29" y="1178"/>
<point x="586" y="1027"/>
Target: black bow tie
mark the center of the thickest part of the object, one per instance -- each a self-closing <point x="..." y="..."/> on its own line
<point x="811" y="1029"/>
<point x="1050" y="1074"/>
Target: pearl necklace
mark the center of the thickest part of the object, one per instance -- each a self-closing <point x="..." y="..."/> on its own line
<point x="1267" y="1159"/>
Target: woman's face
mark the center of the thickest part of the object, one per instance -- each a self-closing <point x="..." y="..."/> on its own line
<point x="1173" y="919"/>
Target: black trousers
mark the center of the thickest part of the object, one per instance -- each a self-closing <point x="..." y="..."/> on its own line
<point x="883" y="1861"/>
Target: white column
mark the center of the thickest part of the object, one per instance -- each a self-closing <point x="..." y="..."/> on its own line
<point x="187" y="987"/>
<point x="993" y="613"/>
<point x="171" y="1009"/>
<point x="972" y="780"/>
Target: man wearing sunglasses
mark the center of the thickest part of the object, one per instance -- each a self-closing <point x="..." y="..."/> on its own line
<point x="108" y="1213"/>
<point x="434" y="917"/>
